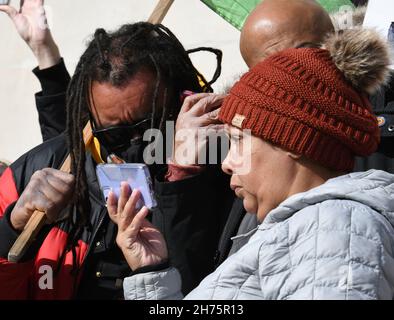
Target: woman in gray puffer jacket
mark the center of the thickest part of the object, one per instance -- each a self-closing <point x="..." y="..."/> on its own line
<point x="296" y="121"/>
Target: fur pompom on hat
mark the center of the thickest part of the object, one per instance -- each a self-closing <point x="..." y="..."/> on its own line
<point x="314" y="101"/>
<point x="362" y="57"/>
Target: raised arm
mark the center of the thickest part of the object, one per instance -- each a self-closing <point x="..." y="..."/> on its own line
<point x="31" y="24"/>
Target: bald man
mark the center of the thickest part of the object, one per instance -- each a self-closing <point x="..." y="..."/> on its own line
<point x="272" y="26"/>
<point x="275" y="25"/>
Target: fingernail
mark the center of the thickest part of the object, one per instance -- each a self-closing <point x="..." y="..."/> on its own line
<point x="124" y="184"/>
<point x="185" y="94"/>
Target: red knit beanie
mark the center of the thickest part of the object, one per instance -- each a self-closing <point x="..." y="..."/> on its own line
<point x="300" y="100"/>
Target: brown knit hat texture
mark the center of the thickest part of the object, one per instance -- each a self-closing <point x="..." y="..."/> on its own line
<point x="314" y="101"/>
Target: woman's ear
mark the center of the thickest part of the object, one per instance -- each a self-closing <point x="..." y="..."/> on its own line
<point x="293" y="155"/>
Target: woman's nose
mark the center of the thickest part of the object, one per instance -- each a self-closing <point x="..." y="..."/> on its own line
<point x="226" y="166"/>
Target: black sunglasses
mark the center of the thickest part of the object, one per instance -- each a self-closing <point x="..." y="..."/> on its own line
<point x="119" y="137"/>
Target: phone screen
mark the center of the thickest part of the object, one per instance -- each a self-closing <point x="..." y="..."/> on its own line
<point x="111" y="176"/>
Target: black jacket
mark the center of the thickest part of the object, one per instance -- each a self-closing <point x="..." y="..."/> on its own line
<point x="383" y="107"/>
<point x="51" y="101"/>
<point x="191" y="213"/>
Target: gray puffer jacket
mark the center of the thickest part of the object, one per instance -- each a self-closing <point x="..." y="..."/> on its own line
<point x="335" y="241"/>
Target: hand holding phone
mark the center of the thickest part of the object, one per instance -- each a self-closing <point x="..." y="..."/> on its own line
<point x="140" y="241"/>
<point x="111" y="176"/>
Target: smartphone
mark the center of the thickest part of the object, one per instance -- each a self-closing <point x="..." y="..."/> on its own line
<point x="5" y="2"/>
<point x="137" y="175"/>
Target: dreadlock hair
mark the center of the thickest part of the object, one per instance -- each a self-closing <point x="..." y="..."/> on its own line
<point x="114" y="58"/>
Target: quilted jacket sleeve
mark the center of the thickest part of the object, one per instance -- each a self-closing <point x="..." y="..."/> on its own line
<point x="158" y="285"/>
<point x="331" y="250"/>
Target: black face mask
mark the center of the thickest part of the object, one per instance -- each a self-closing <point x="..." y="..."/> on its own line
<point x="133" y="154"/>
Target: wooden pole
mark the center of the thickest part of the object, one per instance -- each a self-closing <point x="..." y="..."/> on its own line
<point x="38" y="218"/>
<point x="160" y="11"/>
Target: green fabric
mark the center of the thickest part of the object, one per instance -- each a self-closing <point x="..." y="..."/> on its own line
<point x="334" y="5"/>
<point x="233" y="11"/>
<point x="236" y="11"/>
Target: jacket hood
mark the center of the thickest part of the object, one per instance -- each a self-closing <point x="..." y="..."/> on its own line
<point x="373" y="188"/>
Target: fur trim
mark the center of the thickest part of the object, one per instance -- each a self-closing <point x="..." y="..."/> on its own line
<point x="341" y="20"/>
<point x="362" y="56"/>
<point x="359" y="15"/>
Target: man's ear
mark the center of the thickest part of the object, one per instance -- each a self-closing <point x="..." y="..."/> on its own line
<point x="293" y="155"/>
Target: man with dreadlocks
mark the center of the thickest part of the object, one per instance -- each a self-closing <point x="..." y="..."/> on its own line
<point x="125" y="82"/>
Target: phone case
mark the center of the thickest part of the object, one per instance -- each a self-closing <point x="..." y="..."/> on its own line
<point x="137" y="175"/>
